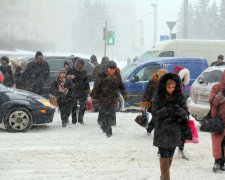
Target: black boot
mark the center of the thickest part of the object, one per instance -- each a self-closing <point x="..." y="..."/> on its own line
<point x="217" y="165"/>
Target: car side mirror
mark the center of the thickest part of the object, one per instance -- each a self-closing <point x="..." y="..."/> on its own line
<point x="135" y="79"/>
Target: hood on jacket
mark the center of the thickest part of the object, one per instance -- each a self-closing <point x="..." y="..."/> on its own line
<point x="79" y="64"/>
<point x="184" y="76"/>
<point x="161" y="88"/>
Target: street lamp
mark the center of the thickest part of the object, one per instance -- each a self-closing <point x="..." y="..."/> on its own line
<point x="155" y="20"/>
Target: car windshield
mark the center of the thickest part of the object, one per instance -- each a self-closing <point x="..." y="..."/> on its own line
<point x="210" y="77"/>
<point x="3" y="88"/>
<point x="127" y="70"/>
<point x="148" y="55"/>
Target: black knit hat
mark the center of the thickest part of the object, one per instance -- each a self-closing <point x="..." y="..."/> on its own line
<point x="38" y="53"/>
<point x="66" y="63"/>
<point x="111" y="64"/>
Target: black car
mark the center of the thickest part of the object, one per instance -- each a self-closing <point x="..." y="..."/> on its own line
<point x="19" y="109"/>
<point x="56" y="63"/>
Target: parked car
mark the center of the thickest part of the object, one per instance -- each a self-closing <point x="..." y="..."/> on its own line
<point x="136" y="75"/>
<point x="198" y="102"/>
<point x="19" y="109"/>
<point x="55" y="64"/>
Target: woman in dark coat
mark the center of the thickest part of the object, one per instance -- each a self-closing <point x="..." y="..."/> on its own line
<point x="62" y="89"/>
<point x="105" y="91"/>
<point x="217" y="101"/>
<point x="168" y="109"/>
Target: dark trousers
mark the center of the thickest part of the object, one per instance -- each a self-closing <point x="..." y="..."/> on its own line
<point x="166" y="153"/>
<point x="82" y="109"/>
<point x="65" y="110"/>
<point x="113" y="121"/>
<point x="107" y="119"/>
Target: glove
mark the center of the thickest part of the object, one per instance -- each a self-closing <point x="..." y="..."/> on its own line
<point x="172" y="109"/>
<point x="144" y="104"/>
<point x="125" y="97"/>
<point x="181" y="113"/>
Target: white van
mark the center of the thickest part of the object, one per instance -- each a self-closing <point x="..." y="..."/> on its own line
<point x="208" y="49"/>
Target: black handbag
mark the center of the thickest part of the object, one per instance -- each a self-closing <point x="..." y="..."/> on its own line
<point x="142" y="119"/>
<point x="212" y="125"/>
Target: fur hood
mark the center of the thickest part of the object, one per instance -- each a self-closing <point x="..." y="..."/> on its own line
<point x="81" y="62"/>
<point x="161" y="88"/>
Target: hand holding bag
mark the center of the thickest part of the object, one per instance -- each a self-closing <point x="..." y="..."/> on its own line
<point x="142" y="119"/>
<point x="212" y="125"/>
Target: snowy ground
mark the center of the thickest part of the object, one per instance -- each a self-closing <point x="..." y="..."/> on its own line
<point x="84" y="152"/>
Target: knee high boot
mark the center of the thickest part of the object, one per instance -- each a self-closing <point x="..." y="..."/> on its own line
<point x="165" y="168"/>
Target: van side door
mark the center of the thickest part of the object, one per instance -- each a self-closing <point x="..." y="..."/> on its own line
<point x="139" y="81"/>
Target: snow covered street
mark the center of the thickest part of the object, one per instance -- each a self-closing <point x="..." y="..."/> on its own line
<point x="84" y="152"/>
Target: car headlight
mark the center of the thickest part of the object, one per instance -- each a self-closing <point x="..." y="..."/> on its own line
<point x="45" y="102"/>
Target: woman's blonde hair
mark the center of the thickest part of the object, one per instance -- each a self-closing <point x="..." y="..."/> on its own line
<point x="170" y="81"/>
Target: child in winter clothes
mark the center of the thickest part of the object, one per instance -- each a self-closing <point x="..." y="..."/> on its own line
<point x="217" y="101"/>
<point x="62" y="89"/>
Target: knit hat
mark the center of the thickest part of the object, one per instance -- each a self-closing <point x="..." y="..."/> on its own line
<point x="38" y="53"/>
<point x="62" y="70"/>
<point x="177" y="69"/>
<point x="66" y="63"/>
<point x="111" y="64"/>
<point x="24" y="63"/>
<point x="105" y="60"/>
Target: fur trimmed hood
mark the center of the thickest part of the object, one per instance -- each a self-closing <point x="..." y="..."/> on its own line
<point x="82" y="64"/>
<point x="161" y="88"/>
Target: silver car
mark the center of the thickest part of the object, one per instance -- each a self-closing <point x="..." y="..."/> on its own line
<point x="198" y="102"/>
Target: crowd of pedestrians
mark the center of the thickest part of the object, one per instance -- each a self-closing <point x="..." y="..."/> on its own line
<point x="164" y="94"/>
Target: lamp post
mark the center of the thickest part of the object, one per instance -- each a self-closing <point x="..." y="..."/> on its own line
<point x="155" y="20"/>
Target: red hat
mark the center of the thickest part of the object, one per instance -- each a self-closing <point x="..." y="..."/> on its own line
<point x="1" y="77"/>
<point x="177" y="69"/>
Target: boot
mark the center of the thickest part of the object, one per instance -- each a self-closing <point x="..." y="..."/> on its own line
<point x="222" y="165"/>
<point x="165" y="168"/>
<point x="217" y="165"/>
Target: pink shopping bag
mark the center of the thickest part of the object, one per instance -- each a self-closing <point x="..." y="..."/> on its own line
<point x="194" y="132"/>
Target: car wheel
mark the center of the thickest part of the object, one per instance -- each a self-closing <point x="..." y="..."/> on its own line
<point x="18" y="119"/>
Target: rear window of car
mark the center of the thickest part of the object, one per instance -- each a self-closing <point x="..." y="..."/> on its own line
<point x="210" y="77"/>
<point x="55" y="64"/>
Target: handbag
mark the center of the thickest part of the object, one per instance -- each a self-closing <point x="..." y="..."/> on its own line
<point x="212" y="125"/>
<point x="142" y="119"/>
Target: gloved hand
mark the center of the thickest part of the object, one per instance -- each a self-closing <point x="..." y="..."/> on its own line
<point x="125" y="97"/>
<point x="144" y="104"/>
<point x="172" y="109"/>
<point x="181" y="113"/>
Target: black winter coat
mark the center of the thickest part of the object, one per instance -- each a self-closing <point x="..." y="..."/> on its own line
<point x="8" y="75"/>
<point x="62" y="97"/>
<point x="81" y="87"/>
<point x="168" y="113"/>
<point x="36" y="74"/>
<point x="106" y="90"/>
<point x="19" y="78"/>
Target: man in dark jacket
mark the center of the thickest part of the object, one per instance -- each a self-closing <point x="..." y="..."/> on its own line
<point x="105" y="91"/>
<point x="81" y="90"/>
<point x="219" y="61"/>
<point x="62" y="89"/>
<point x="6" y="70"/>
<point x="37" y="73"/>
<point x="68" y="69"/>
<point x="169" y="109"/>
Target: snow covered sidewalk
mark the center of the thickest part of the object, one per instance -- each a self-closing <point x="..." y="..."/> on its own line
<point x="84" y="152"/>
